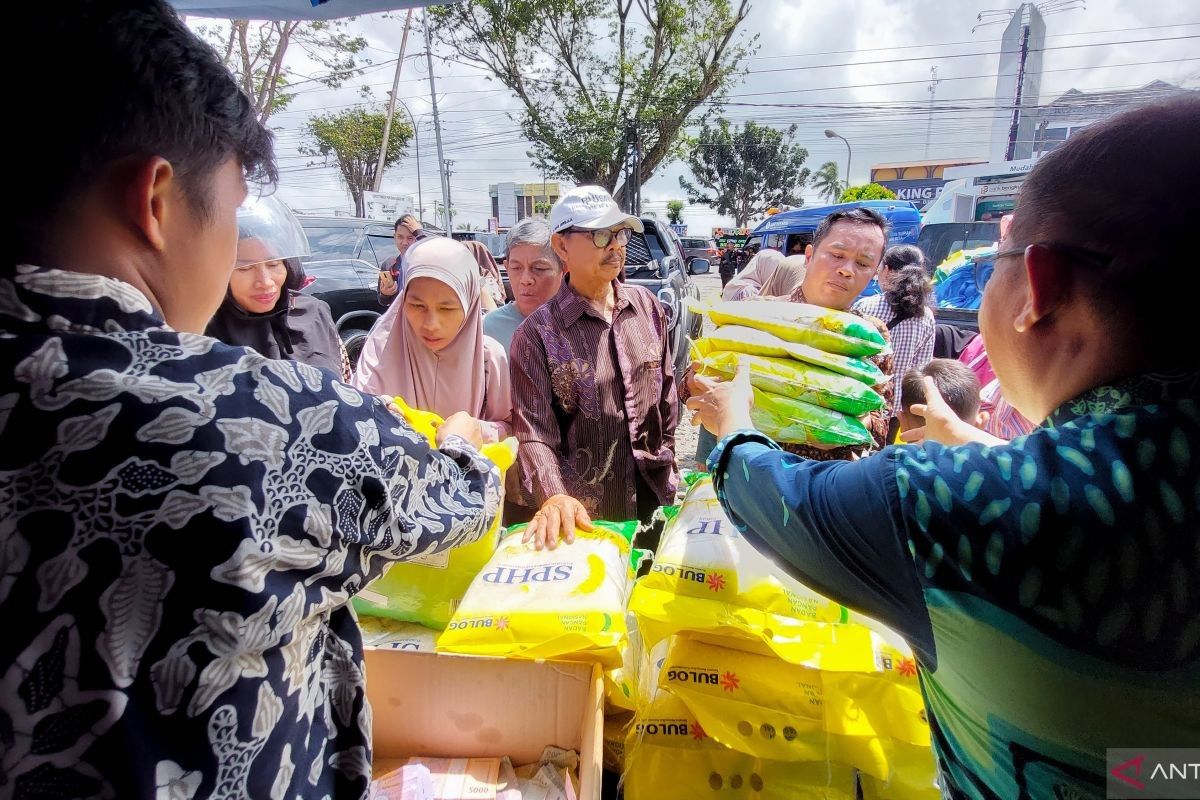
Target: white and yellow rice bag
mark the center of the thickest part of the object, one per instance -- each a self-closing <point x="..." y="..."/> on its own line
<point x="567" y="603"/>
<point x="826" y="329"/>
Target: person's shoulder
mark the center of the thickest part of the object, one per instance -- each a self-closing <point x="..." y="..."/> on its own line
<point x="494" y="350"/>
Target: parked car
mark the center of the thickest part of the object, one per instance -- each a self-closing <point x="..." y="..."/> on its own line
<point x="943" y="238"/>
<point x="788" y="230"/>
<point x="655" y="260"/>
<point x="347" y="253"/>
<point x="694" y="248"/>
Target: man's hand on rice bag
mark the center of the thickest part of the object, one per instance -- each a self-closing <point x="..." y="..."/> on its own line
<point x="723" y="406"/>
<point x="463" y="425"/>
<point x="559" y="515"/>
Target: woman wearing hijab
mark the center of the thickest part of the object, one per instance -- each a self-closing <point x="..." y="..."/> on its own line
<point x="263" y="308"/>
<point x="769" y="274"/>
<point x="429" y="348"/>
<point x="491" y="284"/>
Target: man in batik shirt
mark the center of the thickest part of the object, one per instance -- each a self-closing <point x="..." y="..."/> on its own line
<point x="182" y="523"/>
<point x="1050" y="586"/>
<point x="594" y="400"/>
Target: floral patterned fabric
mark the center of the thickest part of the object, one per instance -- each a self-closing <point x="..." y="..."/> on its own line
<point x="182" y="525"/>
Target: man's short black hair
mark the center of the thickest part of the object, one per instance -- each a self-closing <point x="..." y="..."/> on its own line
<point x="1105" y="196"/>
<point x="956" y="382"/>
<point x="141" y="85"/>
<point x="408" y="221"/>
<point x="855" y="216"/>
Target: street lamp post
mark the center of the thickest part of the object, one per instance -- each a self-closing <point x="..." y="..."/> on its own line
<point x="831" y="135"/>
<point x="417" y="140"/>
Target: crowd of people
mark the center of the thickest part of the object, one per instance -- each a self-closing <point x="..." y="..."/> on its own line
<point x="193" y="483"/>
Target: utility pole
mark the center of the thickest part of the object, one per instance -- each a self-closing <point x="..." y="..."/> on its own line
<point x="391" y="109"/>
<point x="1019" y="100"/>
<point x="437" y="128"/>
<point x="933" y="82"/>
<point x="448" y="163"/>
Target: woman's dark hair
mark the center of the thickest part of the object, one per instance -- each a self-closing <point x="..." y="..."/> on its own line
<point x="911" y="292"/>
<point x="141" y="85"/>
<point x="903" y="255"/>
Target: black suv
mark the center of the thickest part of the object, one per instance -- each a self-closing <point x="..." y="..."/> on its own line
<point x="655" y="260"/>
<point x="347" y="253"/>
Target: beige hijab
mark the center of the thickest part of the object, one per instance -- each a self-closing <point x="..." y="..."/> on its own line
<point x="470" y="374"/>
<point x="786" y="277"/>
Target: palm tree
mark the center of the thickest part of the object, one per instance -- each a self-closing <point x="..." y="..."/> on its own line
<point x="827" y="182"/>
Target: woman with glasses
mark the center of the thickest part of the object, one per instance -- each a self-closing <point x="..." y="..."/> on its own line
<point x="594" y="400"/>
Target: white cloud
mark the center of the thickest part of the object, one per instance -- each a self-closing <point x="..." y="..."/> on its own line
<point x="879" y="107"/>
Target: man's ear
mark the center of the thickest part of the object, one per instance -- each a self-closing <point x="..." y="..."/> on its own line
<point x="149" y="195"/>
<point x="1050" y="278"/>
<point x="808" y="251"/>
<point x="558" y="243"/>
<point x="982" y="419"/>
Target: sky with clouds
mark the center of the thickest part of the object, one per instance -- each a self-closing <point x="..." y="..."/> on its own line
<point x="860" y="67"/>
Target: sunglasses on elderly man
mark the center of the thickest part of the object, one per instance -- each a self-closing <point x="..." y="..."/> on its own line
<point x="603" y="237"/>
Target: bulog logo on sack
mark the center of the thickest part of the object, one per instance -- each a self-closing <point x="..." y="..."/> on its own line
<point x="1170" y="773"/>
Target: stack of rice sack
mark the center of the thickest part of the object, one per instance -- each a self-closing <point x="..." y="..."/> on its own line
<point x="812" y="382"/>
<point x="761" y="686"/>
<point x="425" y="589"/>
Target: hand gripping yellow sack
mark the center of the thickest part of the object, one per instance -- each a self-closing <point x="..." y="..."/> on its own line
<point x="426" y="588"/>
<point x="741" y="339"/>
<point x="567" y="603"/>
<point x="797" y="380"/>
<point x="771" y="709"/>
<point x="669" y="755"/>
<point x="823" y="328"/>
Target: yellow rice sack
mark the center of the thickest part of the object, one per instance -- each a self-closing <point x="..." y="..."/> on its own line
<point x="669" y="755"/>
<point x="567" y="603"/>
<point x="616" y="730"/>
<point x="426" y="588"/>
<point x="741" y="339"/>
<point x="797" y="380"/>
<point x="785" y="419"/>
<point x="766" y="707"/>
<point x="823" y="328"/>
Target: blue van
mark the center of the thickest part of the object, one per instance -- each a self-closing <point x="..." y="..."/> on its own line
<point x="791" y="231"/>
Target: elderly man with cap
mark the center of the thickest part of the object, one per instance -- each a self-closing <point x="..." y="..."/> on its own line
<point x="593" y="382"/>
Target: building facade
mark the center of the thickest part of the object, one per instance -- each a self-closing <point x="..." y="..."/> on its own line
<point x="917" y="181"/>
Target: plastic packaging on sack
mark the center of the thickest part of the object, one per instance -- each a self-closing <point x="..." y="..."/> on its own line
<point x="568" y="603"/>
<point x="669" y="755"/>
<point x="616" y="731"/>
<point x="741" y="339"/>
<point x="914" y="777"/>
<point x="794" y="421"/>
<point x="621" y="684"/>
<point x="768" y="708"/>
<point x="382" y="632"/>
<point x="425" y="588"/>
<point x="803" y="323"/>
<point x="797" y="380"/>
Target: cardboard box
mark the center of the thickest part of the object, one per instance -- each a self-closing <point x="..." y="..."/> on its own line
<point x="444" y="706"/>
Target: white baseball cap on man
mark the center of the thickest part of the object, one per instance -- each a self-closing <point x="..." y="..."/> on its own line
<point x="590" y="208"/>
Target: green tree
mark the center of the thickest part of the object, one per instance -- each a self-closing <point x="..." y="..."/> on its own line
<point x="827" y="182"/>
<point x="581" y="103"/>
<point x="675" y="211"/>
<point x="743" y="172"/>
<point x="868" y="191"/>
<point x="352" y="139"/>
<point x="542" y="207"/>
<point x="255" y="52"/>
<point x="439" y="213"/>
